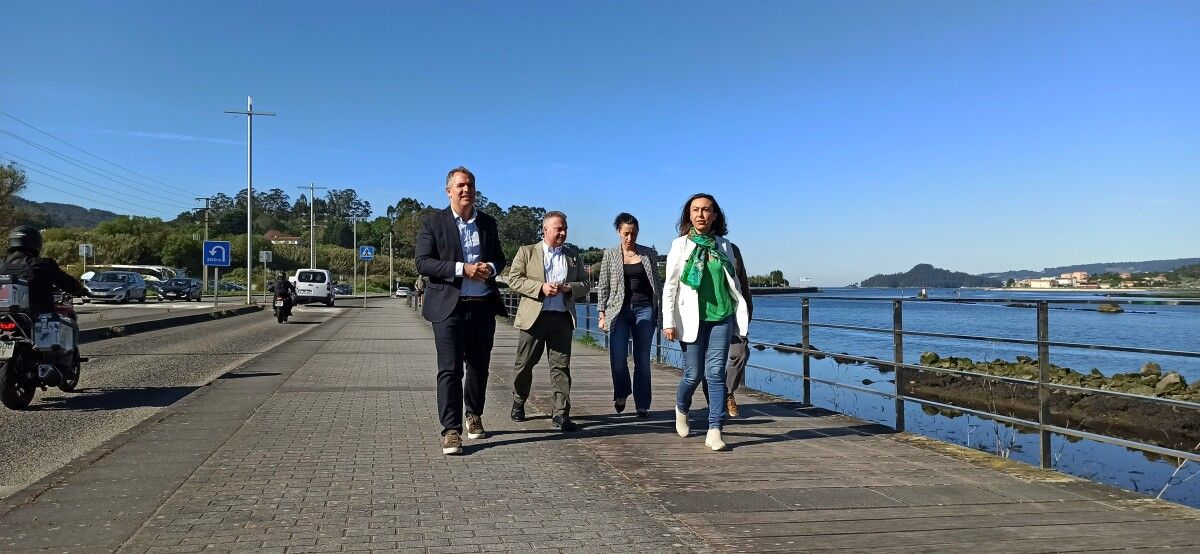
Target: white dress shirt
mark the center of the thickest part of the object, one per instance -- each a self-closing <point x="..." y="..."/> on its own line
<point x="468" y="237"/>
<point x="555" y="264"/>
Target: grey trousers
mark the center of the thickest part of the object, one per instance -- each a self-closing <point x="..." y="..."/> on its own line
<point x="551" y="332"/>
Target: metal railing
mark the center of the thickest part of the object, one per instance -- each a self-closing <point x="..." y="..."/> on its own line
<point x="901" y="396"/>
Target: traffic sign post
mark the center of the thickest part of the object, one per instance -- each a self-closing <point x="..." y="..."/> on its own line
<point x="366" y="254"/>
<point x="85" y="251"/>
<point x="264" y="256"/>
<point x="216" y="254"/>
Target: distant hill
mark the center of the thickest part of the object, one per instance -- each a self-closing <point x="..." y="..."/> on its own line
<point x="53" y="214"/>
<point x="1150" y="266"/>
<point x="925" y="275"/>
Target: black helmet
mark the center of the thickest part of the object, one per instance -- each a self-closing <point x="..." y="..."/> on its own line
<point x="25" y="238"/>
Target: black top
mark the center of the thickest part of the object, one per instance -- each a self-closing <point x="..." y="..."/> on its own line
<point x="43" y="275"/>
<point x="638" y="291"/>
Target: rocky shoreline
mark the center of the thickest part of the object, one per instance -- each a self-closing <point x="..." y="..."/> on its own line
<point x="1134" y="419"/>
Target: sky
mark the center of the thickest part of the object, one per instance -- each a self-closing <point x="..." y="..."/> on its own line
<point x="842" y="139"/>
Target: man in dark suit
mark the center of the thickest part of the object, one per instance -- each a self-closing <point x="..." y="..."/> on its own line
<point x="458" y="251"/>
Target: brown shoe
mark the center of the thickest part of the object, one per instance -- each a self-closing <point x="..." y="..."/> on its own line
<point x="731" y="406"/>
<point x="475" y="427"/>
<point x="452" y="443"/>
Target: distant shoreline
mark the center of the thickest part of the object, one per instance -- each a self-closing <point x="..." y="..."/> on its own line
<point x="1138" y="292"/>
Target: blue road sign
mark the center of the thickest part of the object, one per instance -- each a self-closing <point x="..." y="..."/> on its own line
<point x="366" y="253"/>
<point x="216" y="252"/>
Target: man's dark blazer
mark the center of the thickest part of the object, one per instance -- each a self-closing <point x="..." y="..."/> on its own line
<point x="438" y="250"/>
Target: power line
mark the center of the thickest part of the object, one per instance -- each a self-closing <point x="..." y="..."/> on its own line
<point x="31" y="126"/>
<point x="40" y="184"/>
<point x="102" y="193"/>
<point x="80" y="164"/>
<point x="21" y="160"/>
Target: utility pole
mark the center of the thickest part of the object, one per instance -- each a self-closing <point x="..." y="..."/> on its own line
<point x="354" y="258"/>
<point x="312" y="224"/>
<point x="204" y="273"/>
<point x="391" y="265"/>
<point x="249" y="113"/>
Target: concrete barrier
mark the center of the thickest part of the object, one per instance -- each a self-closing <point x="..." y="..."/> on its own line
<point x="125" y="329"/>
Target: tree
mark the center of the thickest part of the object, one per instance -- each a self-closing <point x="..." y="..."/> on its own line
<point x="520" y="225"/>
<point x="773" y="279"/>
<point x="12" y="182"/>
<point x="181" y="250"/>
<point x="345" y="204"/>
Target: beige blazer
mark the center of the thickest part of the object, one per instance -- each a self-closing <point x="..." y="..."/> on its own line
<point x="527" y="274"/>
<point x="681" y="304"/>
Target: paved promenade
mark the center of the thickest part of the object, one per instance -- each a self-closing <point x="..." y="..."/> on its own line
<point x="329" y="443"/>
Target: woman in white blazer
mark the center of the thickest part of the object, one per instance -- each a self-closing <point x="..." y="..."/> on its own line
<point x="702" y="309"/>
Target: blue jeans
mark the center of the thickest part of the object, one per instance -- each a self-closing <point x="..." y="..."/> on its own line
<point x="706" y="356"/>
<point x="637" y="321"/>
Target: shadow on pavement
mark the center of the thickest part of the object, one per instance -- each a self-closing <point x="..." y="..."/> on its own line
<point x="92" y="400"/>
<point x="736" y="431"/>
<point x="248" y="375"/>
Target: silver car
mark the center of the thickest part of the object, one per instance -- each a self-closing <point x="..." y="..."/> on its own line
<point x="116" y="286"/>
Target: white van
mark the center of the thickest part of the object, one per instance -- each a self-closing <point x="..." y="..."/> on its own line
<point x="313" y="285"/>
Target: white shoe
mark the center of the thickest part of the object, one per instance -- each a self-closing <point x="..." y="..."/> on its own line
<point x="713" y="440"/>
<point x="681" y="423"/>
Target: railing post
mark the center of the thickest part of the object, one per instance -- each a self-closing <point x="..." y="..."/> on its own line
<point x="658" y="347"/>
<point x="587" y="318"/>
<point x="804" y="342"/>
<point x="1043" y="344"/>
<point x="898" y="357"/>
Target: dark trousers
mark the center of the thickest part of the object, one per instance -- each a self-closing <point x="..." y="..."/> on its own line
<point x="552" y="331"/>
<point x="464" y="346"/>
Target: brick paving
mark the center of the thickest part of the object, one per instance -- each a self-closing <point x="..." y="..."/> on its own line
<point x="334" y="447"/>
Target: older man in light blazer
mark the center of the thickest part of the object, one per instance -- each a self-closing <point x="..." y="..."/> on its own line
<point x="549" y="279"/>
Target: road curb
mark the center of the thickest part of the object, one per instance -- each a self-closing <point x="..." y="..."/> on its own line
<point x="113" y="331"/>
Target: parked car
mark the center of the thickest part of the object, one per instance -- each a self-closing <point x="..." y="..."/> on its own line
<point x="402" y="292"/>
<point x="116" y="286"/>
<point x="342" y="289"/>
<point x="180" y="289"/>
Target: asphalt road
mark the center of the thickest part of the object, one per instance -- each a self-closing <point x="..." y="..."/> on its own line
<point x="129" y="379"/>
<point x="95" y="313"/>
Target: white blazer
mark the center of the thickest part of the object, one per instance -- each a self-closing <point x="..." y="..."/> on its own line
<point x="681" y="305"/>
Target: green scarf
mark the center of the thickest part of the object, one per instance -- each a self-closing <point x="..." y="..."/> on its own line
<point x="706" y="249"/>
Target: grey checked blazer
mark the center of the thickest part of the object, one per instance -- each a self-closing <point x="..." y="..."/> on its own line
<point x="610" y="286"/>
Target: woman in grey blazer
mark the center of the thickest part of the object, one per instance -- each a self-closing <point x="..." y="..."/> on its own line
<point x="629" y="295"/>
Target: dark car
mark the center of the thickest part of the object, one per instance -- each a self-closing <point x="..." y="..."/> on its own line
<point x="180" y="289"/>
<point x="116" y="286"/>
<point x="342" y="290"/>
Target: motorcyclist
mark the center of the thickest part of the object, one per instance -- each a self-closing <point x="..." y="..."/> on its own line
<point x="285" y="287"/>
<point x="42" y="275"/>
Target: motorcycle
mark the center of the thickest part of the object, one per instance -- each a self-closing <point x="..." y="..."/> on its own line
<point x="36" y="350"/>
<point x="283" y="306"/>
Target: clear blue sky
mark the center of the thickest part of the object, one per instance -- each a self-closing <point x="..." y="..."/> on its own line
<point x="843" y="139"/>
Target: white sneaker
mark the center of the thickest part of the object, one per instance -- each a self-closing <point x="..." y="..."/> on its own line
<point x="713" y="440"/>
<point x="681" y="423"/>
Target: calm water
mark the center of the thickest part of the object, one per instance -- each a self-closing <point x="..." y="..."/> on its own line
<point x="1167" y="328"/>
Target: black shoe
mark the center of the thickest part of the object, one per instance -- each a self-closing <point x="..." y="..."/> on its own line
<point x="619" y="405"/>
<point x="643" y="414"/>
<point x="518" y="411"/>
<point x="564" y="424"/>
